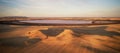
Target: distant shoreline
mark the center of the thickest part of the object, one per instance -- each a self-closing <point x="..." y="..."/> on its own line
<point x="49" y="23"/>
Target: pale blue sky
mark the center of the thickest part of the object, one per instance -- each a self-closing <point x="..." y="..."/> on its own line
<point x="60" y="8"/>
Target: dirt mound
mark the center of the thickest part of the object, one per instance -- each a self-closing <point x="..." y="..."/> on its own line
<point x="36" y="34"/>
<point x="66" y="35"/>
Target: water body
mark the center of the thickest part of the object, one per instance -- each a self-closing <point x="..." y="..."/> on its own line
<point x="58" y="21"/>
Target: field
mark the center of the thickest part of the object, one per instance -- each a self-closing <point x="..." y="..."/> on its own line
<point x="75" y="39"/>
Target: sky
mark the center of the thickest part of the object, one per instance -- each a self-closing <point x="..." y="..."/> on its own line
<point x="60" y="8"/>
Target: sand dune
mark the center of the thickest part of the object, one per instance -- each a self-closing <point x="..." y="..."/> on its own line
<point x="66" y="36"/>
<point x="36" y="34"/>
<point x="97" y="39"/>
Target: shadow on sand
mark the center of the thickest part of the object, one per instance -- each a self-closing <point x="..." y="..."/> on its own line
<point x="82" y="30"/>
<point x="52" y="31"/>
<point x="6" y="28"/>
<point x="94" y="31"/>
<point x="17" y="41"/>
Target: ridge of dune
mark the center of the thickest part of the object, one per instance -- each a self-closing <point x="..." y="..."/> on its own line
<point x="66" y="35"/>
<point x="36" y="34"/>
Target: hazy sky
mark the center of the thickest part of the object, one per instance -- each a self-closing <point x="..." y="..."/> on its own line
<point x="60" y="8"/>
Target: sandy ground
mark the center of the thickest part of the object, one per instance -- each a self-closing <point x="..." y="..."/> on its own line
<point x="86" y="39"/>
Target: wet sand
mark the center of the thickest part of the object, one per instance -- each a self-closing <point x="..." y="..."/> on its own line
<point x="88" y="39"/>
